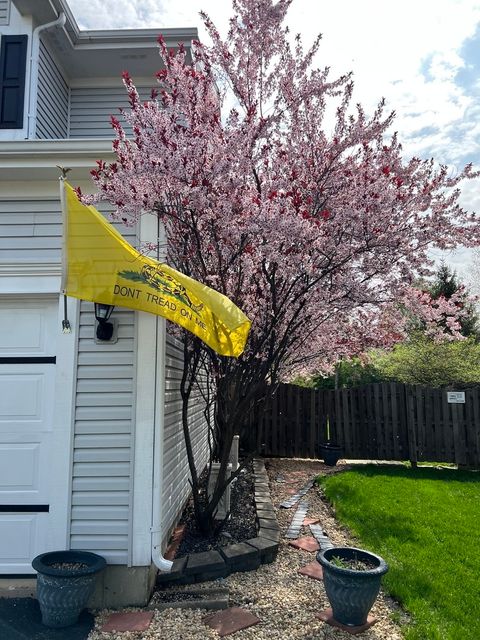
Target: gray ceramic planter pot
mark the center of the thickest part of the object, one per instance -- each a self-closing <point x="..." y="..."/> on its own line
<point x="63" y="593"/>
<point x="351" y="592"/>
<point x="330" y="453"/>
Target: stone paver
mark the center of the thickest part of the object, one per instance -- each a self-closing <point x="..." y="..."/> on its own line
<point x="308" y="521"/>
<point x="191" y="598"/>
<point x="312" y="570"/>
<point x="128" y="621"/>
<point x="320" y="536"/>
<point x="241" y="557"/>
<point x="293" y="530"/>
<point x="307" y="543"/>
<point x="287" y="504"/>
<point x="206" y="565"/>
<point x="327" y="616"/>
<point x="268" y="548"/>
<point x="231" y="620"/>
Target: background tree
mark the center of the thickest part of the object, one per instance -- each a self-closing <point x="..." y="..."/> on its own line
<point x="435" y="364"/>
<point x="420" y="359"/>
<point x="446" y="284"/>
<point x="348" y="373"/>
<point x="315" y="228"/>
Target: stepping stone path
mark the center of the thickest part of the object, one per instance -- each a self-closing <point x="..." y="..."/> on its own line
<point x="297" y="520"/>
<point x="327" y="616"/>
<point x="307" y="543"/>
<point x="312" y="570"/>
<point x="287" y="504"/>
<point x="320" y="536"/>
<point x="127" y="621"/>
<point x="231" y="620"/>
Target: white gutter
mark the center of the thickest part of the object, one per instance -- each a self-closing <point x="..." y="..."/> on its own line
<point x="158" y="438"/>
<point x="34" y="61"/>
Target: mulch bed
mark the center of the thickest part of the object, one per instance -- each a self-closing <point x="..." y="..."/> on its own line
<point x="240" y="526"/>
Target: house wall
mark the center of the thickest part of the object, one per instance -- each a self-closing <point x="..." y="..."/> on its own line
<point x="92" y="106"/>
<point x="103" y="439"/>
<point x="176" y="487"/>
<point x="30" y="232"/>
<point x="52" y="98"/>
<point x="4" y="12"/>
<point x="18" y="25"/>
<point x="30" y="229"/>
<point x="103" y="436"/>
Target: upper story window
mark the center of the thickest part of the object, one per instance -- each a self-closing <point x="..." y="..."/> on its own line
<point x="13" y="57"/>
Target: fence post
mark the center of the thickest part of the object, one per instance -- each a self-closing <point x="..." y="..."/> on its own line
<point x="411" y="426"/>
<point x="458" y="436"/>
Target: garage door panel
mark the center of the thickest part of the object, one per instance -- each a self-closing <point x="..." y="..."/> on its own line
<point x="26" y="392"/>
<point x="28" y="333"/>
<point x="22" y="537"/>
<point x="25" y="329"/>
<point x="20" y="471"/>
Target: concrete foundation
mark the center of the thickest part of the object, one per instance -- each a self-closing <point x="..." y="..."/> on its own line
<point x="120" y="586"/>
<point x="18" y="587"/>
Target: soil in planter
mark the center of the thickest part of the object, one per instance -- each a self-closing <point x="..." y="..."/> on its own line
<point x="69" y="566"/>
<point x="241" y="525"/>
<point x="352" y="563"/>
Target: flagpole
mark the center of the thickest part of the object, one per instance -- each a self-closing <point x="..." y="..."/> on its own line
<point x="66" y="327"/>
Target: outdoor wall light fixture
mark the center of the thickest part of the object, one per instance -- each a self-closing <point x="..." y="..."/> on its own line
<point x="104" y="330"/>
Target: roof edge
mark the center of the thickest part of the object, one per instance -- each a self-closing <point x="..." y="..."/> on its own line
<point x="36" y="149"/>
<point x="48" y="11"/>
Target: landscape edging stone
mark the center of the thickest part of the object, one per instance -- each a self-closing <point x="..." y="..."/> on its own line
<point x="208" y="565"/>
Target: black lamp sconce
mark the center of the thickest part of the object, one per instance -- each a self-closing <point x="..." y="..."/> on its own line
<point x="105" y="330"/>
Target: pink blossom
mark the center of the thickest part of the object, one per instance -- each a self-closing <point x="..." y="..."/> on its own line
<point x="316" y="234"/>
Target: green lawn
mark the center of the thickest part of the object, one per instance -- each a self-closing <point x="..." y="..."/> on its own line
<point x="426" y="523"/>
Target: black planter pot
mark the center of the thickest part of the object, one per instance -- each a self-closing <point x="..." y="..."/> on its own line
<point x="63" y="593"/>
<point x="351" y="592"/>
<point x="330" y="453"/>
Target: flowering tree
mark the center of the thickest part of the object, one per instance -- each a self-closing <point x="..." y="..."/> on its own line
<point x="307" y="217"/>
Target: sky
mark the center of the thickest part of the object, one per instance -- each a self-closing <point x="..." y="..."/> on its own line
<point x="422" y="56"/>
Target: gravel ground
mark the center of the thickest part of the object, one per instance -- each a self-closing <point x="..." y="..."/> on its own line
<point x="285" y="601"/>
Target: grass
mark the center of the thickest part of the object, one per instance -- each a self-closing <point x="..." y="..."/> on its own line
<point x="425" y="522"/>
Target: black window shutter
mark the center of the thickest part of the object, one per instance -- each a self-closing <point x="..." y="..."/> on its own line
<point x="13" y="57"/>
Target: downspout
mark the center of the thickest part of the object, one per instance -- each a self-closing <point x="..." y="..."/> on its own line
<point x="158" y="439"/>
<point x="34" y="62"/>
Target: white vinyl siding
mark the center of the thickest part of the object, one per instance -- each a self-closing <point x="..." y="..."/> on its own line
<point x="30" y="230"/>
<point x="91" y="108"/>
<point x="103" y="435"/>
<point x="103" y="443"/>
<point x="176" y="487"/>
<point x="4" y="12"/>
<point x="52" y="98"/>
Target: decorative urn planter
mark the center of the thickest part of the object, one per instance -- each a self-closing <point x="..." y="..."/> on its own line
<point x="351" y="591"/>
<point x="65" y="582"/>
<point x="330" y="453"/>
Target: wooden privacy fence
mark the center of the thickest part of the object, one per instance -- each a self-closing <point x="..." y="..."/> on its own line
<point x="386" y="421"/>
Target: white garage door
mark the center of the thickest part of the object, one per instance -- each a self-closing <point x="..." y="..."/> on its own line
<point x="27" y="377"/>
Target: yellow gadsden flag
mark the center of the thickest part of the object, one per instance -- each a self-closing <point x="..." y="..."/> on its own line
<point x="100" y="266"/>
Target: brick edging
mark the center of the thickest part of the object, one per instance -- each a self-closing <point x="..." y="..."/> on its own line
<point x="241" y="556"/>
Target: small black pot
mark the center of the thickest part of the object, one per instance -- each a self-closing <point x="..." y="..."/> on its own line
<point x="330" y="453"/>
<point x="64" y="592"/>
<point x="351" y="592"/>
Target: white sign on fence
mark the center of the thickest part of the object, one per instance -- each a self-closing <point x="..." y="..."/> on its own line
<point x="456" y="397"/>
